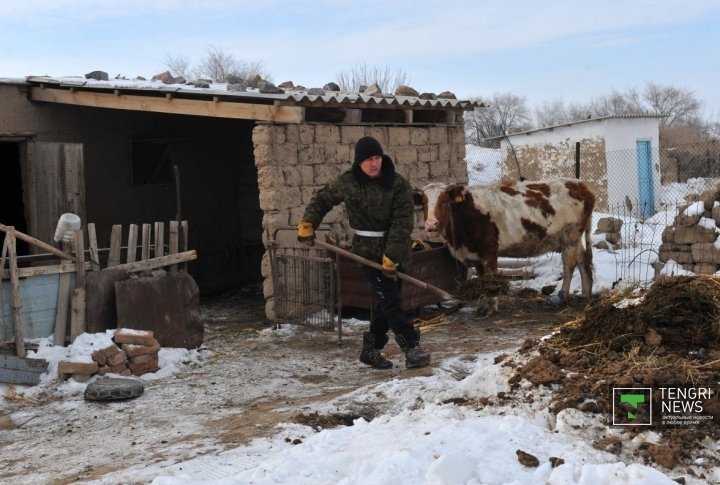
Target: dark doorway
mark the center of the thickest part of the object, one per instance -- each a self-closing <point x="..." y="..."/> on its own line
<point x="12" y="209"/>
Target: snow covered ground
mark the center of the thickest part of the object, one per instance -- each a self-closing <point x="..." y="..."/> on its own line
<point x="420" y="436"/>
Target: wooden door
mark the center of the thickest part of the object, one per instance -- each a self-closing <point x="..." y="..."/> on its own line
<point x="54" y="184"/>
<point x="645" y="178"/>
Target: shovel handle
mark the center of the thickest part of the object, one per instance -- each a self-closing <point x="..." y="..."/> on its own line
<point x="442" y="293"/>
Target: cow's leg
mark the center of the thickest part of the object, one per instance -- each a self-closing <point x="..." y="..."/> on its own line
<point x="569" y="260"/>
<point x="584" y="264"/>
<point x="486" y="305"/>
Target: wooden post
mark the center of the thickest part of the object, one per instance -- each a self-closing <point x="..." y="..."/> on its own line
<point x="184" y="241"/>
<point x="577" y="160"/>
<point x="174" y="240"/>
<point x="132" y="243"/>
<point x="62" y="310"/>
<point x="80" y="255"/>
<point x="78" y="324"/>
<point x="115" y="246"/>
<point x="64" y="295"/>
<point x="146" y="235"/>
<point x="2" y="256"/>
<point x="92" y="241"/>
<point x="159" y="239"/>
<point x="15" y="282"/>
<point x="77" y="318"/>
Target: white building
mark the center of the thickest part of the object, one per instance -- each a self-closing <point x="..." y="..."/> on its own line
<point x="617" y="155"/>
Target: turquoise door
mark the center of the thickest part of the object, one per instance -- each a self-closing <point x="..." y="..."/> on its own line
<point x="645" y="179"/>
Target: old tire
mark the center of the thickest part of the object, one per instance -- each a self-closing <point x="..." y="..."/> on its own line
<point x="113" y="388"/>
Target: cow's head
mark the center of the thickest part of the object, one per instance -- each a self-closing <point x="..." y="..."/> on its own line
<point x="435" y="199"/>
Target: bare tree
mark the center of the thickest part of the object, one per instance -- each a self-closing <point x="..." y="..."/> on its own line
<point x="505" y="113"/>
<point x="617" y="104"/>
<point x="678" y="105"/>
<point x="217" y="65"/>
<point x="178" y="65"/>
<point x="578" y="111"/>
<point x="359" y="75"/>
<point x="551" y="113"/>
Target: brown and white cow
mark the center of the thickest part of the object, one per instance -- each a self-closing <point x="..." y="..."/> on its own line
<point x="514" y="219"/>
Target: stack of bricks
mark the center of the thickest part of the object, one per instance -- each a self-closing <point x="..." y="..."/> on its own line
<point x="692" y="241"/>
<point x="134" y="352"/>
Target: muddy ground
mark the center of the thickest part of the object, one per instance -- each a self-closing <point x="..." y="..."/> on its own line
<point x="249" y="378"/>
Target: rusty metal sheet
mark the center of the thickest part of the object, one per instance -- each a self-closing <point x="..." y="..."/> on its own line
<point x="434" y="266"/>
<point x="166" y="303"/>
<point x="100" y="310"/>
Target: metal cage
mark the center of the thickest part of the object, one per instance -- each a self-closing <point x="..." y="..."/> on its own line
<point x="305" y="284"/>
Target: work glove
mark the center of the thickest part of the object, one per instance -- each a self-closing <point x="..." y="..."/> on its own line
<point x="389" y="268"/>
<point x="306" y="233"/>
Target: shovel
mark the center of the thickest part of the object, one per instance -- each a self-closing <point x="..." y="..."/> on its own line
<point x="442" y="293"/>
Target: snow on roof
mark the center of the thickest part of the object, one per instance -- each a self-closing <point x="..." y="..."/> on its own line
<point x="221" y="90"/>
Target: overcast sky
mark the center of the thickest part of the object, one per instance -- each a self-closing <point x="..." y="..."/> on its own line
<point x="554" y="49"/>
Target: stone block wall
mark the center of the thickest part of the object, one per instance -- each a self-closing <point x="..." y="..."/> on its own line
<point x="693" y="240"/>
<point x="294" y="161"/>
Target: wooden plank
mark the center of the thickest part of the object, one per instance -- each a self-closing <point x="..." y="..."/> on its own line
<point x="184" y="227"/>
<point x="115" y="245"/>
<point x="167" y="260"/>
<point x="80" y="255"/>
<point x="74" y="189"/>
<point x="174" y="241"/>
<point x="132" y="243"/>
<point x="3" y="255"/>
<point x="92" y="241"/>
<point x="44" y="270"/>
<point x="184" y="236"/>
<point x="15" y="281"/>
<point x="145" y="249"/>
<point x="39" y="243"/>
<point x="197" y="107"/>
<point x="77" y="318"/>
<point x="159" y="239"/>
<point x="43" y="188"/>
<point x="55" y="184"/>
<point x="61" y="315"/>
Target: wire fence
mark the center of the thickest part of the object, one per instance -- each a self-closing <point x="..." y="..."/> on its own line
<point x="657" y="210"/>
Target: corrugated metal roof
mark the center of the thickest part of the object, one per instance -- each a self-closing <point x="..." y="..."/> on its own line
<point x="599" y="118"/>
<point x="217" y="90"/>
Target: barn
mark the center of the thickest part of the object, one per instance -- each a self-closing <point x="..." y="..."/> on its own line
<point x="237" y="165"/>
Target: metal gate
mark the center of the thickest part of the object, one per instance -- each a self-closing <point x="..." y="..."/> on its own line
<point x="305" y="284"/>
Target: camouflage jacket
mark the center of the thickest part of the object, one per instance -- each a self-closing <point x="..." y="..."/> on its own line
<point x="381" y="204"/>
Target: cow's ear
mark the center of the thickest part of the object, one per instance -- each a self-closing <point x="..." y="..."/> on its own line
<point x="417" y="196"/>
<point x="455" y="193"/>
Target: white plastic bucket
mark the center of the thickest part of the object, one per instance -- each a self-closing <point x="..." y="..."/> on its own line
<point x="66" y="227"/>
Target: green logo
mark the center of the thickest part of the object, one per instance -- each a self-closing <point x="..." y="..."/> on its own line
<point x="632" y="406"/>
<point x="633" y="400"/>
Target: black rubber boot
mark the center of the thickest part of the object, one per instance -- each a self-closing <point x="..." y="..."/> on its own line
<point x="414" y="355"/>
<point x="371" y="354"/>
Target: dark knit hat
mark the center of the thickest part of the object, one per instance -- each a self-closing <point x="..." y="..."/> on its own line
<point x="367" y="147"/>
